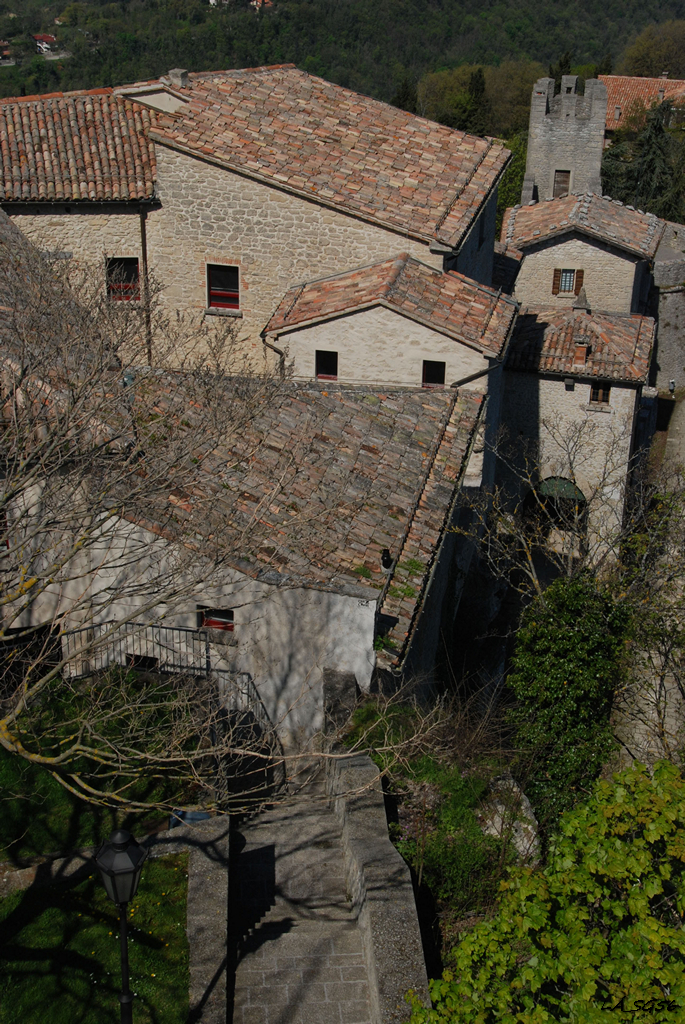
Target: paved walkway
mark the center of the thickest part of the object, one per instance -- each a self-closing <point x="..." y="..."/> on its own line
<point x="296" y="949"/>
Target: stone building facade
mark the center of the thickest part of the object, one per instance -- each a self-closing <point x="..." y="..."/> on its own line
<point x="565" y="140"/>
<point x="260" y="178"/>
<point x="614" y="280"/>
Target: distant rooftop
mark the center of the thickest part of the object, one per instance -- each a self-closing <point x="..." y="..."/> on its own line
<point x="447" y="302"/>
<point x="598" y="216"/>
<point x="625" y="93"/>
<point x="618" y="347"/>
<point x="276" y="124"/>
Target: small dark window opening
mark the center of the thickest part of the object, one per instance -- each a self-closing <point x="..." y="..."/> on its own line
<point x="142" y="662"/>
<point x="562" y="183"/>
<point x="123" y="278"/>
<point x="223" y="287"/>
<point x="600" y="393"/>
<point x="215" y="618"/>
<point x="433" y="374"/>
<point x="326" y="365"/>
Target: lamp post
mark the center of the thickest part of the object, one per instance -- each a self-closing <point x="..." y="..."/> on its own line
<point x="120" y="861"/>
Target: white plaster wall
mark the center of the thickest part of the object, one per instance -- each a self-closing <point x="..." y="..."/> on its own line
<point x="379" y="345"/>
<point x="609" y="275"/>
<point x="284" y="636"/>
<point x="210" y="215"/>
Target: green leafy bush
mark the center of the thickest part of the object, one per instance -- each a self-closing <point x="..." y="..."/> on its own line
<point x="568" y="661"/>
<point x="597" y="936"/>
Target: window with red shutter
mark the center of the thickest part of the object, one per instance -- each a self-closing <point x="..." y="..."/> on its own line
<point x="326" y="365"/>
<point x="215" y="618"/>
<point x="123" y="278"/>
<point x="223" y="287"/>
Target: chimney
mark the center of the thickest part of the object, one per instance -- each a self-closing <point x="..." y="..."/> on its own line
<point x="580" y="355"/>
<point x="664" y="75"/>
<point x="179" y="78"/>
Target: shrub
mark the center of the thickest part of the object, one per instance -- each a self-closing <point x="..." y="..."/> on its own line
<point x="595" y="936"/>
<point x="567" y="664"/>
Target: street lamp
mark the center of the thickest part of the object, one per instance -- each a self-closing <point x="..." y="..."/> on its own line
<point x="120" y="861"/>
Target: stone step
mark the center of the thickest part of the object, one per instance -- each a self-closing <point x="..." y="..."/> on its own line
<point x="297" y="948"/>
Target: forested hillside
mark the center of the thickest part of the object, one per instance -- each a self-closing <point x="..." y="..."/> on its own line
<point x="369" y="45"/>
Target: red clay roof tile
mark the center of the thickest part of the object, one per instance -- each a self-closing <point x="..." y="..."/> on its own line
<point x="447" y="302"/>
<point x="77" y="146"/>
<point x="619" y="347"/>
<point x="600" y="217"/>
<point x="627" y="94"/>
<point x="317" y="139"/>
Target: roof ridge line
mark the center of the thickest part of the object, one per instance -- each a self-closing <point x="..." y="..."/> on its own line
<point x="448" y="209"/>
<point x="392" y="283"/>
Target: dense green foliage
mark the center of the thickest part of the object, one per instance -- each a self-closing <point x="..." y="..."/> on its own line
<point x="567" y="664"/>
<point x="369" y="45"/>
<point x="596" y="937"/>
<point x="59" y="951"/>
<point x="657" y="49"/>
<point x="645" y="166"/>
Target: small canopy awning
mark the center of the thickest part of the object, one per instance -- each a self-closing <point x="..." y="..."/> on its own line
<point x="560" y="487"/>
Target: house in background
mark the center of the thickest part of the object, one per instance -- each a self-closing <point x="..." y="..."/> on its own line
<point x="398" y="322"/>
<point x="628" y="96"/>
<point x="574" y="404"/>
<point x="231" y="187"/>
<point x="45" y="43"/>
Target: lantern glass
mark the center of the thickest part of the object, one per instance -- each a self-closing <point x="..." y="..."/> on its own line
<point x="120" y="862"/>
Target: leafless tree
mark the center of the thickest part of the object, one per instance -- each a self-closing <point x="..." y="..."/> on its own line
<point x="99" y="451"/>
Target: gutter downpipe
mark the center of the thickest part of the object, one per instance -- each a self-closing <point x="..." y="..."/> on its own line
<point x="279" y="352"/>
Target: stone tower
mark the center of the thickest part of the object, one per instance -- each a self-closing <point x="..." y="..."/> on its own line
<point x="565" y="140"/>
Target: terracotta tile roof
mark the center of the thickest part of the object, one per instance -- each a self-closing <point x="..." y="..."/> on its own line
<point x="303" y="134"/>
<point x="598" y="216"/>
<point x="627" y="93"/>
<point x="618" y="347"/>
<point x="447" y="302"/>
<point x="75" y="146"/>
<point x="322" y="481"/>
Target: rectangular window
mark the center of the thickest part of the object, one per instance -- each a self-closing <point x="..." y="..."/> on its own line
<point x="433" y="374"/>
<point x="123" y="279"/>
<point x="562" y="183"/>
<point x="326" y="365"/>
<point x="567" y="281"/>
<point x="600" y="393"/>
<point x="215" y="618"/>
<point x="223" y="287"/>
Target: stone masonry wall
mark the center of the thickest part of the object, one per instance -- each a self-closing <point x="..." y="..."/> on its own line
<point x="210" y="215"/>
<point x="90" y="237"/>
<point x="610" y="276"/>
<point x="566" y="133"/>
<point x="379" y="345"/>
<point x="542" y="415"/>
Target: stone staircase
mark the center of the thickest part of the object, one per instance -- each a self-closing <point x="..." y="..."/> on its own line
<point x="295" y="946"/>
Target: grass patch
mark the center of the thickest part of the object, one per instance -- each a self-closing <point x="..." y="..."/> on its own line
<point x="38" y="816"/>
<point x="59" y="951"/>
